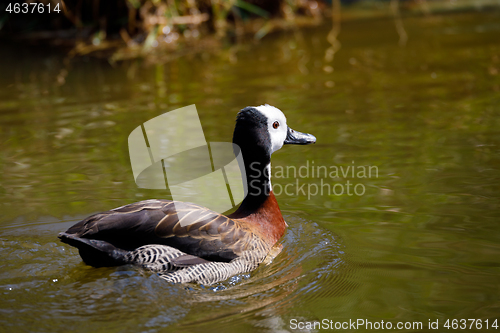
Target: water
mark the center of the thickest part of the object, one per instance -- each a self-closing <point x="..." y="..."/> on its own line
<point x="420" y="244"/>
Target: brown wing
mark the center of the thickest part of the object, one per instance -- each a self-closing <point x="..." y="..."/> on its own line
<point x="199" y="231"/>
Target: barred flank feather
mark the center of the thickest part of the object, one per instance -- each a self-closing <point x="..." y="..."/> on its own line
<point x="178" y="267"/>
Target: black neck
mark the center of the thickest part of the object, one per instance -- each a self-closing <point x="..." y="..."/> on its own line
<point x="256" y="159"/>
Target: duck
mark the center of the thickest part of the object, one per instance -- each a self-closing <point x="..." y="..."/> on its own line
<point x="207" y="247"/>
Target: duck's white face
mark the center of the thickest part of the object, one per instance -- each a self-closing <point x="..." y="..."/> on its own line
<point x="276" y="125"/>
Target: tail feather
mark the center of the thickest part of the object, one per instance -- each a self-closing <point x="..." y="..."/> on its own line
<point x="96" y="252"/>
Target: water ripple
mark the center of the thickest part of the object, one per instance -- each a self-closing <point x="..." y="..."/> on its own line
<point x="68" y="290"/>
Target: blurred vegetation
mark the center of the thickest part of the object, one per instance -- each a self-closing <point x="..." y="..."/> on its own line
<point x="164" y="29"/>
<point x="124" y="29"/>
<point x="131" y="28"/>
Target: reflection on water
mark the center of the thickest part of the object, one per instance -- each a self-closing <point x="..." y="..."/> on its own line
<point x="421" y="243"/>
<point x="311" y="260"/>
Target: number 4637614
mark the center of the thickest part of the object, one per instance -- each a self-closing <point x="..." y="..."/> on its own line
<point x="470" y="324"/>
<point x="25" y="8"/>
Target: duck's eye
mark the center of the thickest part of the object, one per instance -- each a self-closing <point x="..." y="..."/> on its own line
<point x="276" y="124"/>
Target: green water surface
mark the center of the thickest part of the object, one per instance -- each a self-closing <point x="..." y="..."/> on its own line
<point x="422" y="242"/>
